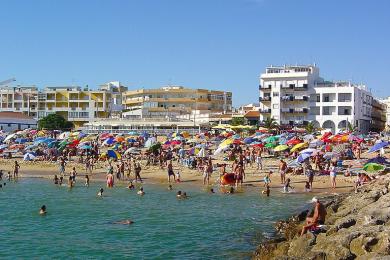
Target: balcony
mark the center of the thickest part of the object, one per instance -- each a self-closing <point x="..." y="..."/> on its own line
<point x="266" y="87"/>
<point x="301" y="110"/>
<point x="301" y="98"/>
<point x="265" y="111"/>
<point x="289" y="86"/>
<point x="264" y="99"/>
<point x="287" y="98"/>
<point x="287" y="110"/>
<point x="301" y="87"/>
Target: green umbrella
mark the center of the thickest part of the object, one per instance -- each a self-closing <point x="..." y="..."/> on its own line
<point x="280" y="148"/>
<point x="270" y="139"/>
<point x="373" y="167"/>
<point x="270" y="145"/>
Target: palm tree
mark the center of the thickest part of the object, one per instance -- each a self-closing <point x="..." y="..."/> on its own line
<point x="351" y="128"/>
<point x="310" y="128"/>
<point x="270" y="123"/>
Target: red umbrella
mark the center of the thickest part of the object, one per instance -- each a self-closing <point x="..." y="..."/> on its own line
<point x="237" y="141"/>
<point x="293" y="141"/>
<point x="258" y="145"/>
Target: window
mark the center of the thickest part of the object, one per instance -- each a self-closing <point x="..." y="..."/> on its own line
<point x="318" y="98"/>
<point x="275" y="94"/>
<point x="275" y="106"/>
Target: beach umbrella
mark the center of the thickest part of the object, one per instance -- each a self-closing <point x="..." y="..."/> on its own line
<point x="302" y="157"/>
<point x="131" y="140"/>
<point x="178" y="138"/>
<point x="249" y="140"/>
<point x="378" y="146"/>
<point x="308" y="137"/>
<point x="3" y="146"/>
<point x="339" y="148"/>
<point x="53" y="144"/>
<point x="293" y="164"/>
<point x="226" y="143"/>
<point x="109" y="141"/>
<point x="270" y="139"/>
<point x="150" y="142"/>
<point x="298" y="146"/>
<point x="316" y="143"/>
<point x="113" y="154"/>
<point x="293" y="141"/>
<point x="280" y="148"/>
<point x="373" y="167"/>
<point x="270" y="145"/>
<point x="9" y="137"/>
<point x="237" y="141"/>
<point x="85" y="147"/>
<point x="329" y="155"/>
<point x="119" y="139"/>
<point x="308" y="151"/>
<point x="257" y="144"/>
<point x="21" y="140"/>
<point x="29" y="157"/>
<point x="378" y="160"/>
<point x="262" y="130"/>
<point x="201" y="153"/>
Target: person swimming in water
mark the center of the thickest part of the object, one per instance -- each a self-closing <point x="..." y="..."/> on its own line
<point x="170" y="187"/>
<point x="141" y="191"/>
<point x="42" y="210"/>
<point x="56" y="179"/>
<point x="131" y="186"/>
<point x="230" y="191"/>
<point x="100" y="193"/>
<point x="124" y="222"/>
<point x="179" y="194"/>
<point x="212" y="190"/>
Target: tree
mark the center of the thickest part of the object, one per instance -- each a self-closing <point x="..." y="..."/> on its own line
<point x="310" y="128"/>
<point x="54" y="122"/>
<point x="238" y="121"/>
<point x="351" y="128"/>
<point x="270" y="123"/>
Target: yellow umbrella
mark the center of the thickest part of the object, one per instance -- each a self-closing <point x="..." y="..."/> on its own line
<point x="280" y="148"/>
<point x="226" y="143"/>
<point x="299" y="146"/>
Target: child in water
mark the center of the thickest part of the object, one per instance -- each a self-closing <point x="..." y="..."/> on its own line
<point x="42" y="211"/>
<point x="141" y="192"/>
<point x="178" y="176"/>
<point x="267" y="190"/>
<point x="100" y="193"/>
<point x="86" y="180"/>
<point x="131" y="186"/>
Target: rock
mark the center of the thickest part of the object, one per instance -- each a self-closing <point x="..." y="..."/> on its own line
<point x="345" y="223"/>
<point x="301" y="245"/>
<point x="358" y="245"/>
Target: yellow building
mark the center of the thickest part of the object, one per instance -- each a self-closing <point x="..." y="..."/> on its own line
<point x="174" y="101"/>
<point x="73" y="103"/>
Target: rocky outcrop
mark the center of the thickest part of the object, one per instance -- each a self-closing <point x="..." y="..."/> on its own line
<point x="357" y="227"/>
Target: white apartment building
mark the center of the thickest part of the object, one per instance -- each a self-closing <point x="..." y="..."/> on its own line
<point x="386" y="101"/>
<point x="334" y="105"/>
<point x="297" y="95"/>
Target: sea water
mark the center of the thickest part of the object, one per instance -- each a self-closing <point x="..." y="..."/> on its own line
<point x="80" y="225"/>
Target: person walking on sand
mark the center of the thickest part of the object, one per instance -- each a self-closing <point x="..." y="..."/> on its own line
<point x="310" y="176"/>
<point x="332" y="174"/>
<point x="137" y="170"/>
<point x="282" y="171"/>
<point x="208" y="170"/>
<point x="16" y="169"/>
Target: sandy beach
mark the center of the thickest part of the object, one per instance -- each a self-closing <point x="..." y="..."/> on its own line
<point x="154" y="174"/>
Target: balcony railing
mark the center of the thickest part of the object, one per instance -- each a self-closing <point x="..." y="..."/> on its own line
<point x="262" y="99"/>
<point x="287" y="110"/>
<point x="287" y="98"/>
<point x="289" y="86"/>
<point x="301" y="110"/>
<point x="265" y="111"/>
<point x="264" y="87"/>
<point x="301" y="87"/>
<point x="301" y="98"/>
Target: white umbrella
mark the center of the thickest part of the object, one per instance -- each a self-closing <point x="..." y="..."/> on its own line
<point x="308" y="137"/>
<point x="28" y="157"/>
<point x="316" y="143"/>
<point x="308" y="151"/>
<point x="9" y="137"/>
<point x="201" y="153"/>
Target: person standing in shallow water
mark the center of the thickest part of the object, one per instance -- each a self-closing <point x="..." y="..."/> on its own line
<point x="282" y="171"/>
<point x="16" y="169"/>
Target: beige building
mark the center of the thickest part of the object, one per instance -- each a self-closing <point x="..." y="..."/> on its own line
<point x="176" y="102"/>
<point x="76" y="104"/>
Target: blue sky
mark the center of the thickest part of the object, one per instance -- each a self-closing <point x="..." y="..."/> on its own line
<point x="217" y="44"/>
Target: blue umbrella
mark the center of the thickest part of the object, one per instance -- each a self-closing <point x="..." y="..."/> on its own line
<point x="302" y="157"/>
<point x="378" y="146"/>
<point x="53" y="144"/>
<point x="249" y="140"/>
<point x="282" y="141"/>
<point x="131" y="140"/>
<point x="85" y="147"/>
<point x="21" y="140"/>
<point x="3" y="146"/>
